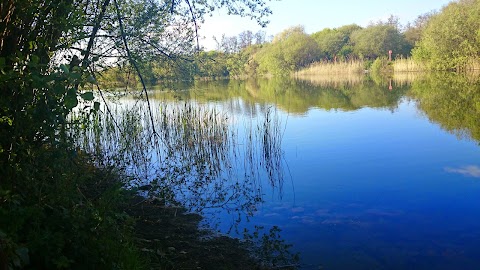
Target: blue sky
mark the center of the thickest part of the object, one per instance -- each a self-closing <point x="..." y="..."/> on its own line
<point x="316" y="15"/>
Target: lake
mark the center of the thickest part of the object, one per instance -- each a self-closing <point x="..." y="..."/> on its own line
<point x="358" y="173"/>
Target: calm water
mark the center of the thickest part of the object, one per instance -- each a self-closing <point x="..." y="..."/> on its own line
<point x="373" y="178"/>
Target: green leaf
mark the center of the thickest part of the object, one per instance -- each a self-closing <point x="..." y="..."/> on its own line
<point x="35" y="59"/>
<point x="64" y="68"/>
<point x="75" y="75"/>
<point x="91" y="79"/>
<point x="71" y="99"/>
<point x="87" y="96"/>
<point x="96" y="105"/>
<point x="59" y="88"/>
<point x="31" y="45"/>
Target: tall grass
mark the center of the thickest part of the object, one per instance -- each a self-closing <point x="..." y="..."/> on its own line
<point x="321" y="68"/>
<point x="408" y="65"/>
<point x="196" y="157"/>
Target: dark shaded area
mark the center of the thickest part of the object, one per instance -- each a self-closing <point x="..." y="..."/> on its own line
<point x="172" y="240"/>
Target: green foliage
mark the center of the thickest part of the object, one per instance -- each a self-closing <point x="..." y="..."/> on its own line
<point x="290" y="50"/>
<point x="335" y="42"/>
<point x="381" y="65"/>
<point x="451" y="39"/>
<point x="211" y="64"/>
<point x="414" y="32"/>
<point x="58" y="209"/>
<point x="71" y="220"/>
<point x="376" y="40"/>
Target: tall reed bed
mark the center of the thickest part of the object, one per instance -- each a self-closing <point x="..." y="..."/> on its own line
<point x="342" y="67"/>
<point x="408" y="65"/>
<point x="190" y="153"/>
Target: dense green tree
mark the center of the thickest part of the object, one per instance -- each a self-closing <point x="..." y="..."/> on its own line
<point x="376" y="40"/>
<point x="289" y="51"/>
<point x="335" y="42"/>
<point x="414" y="31"/>
<point x="451" y="39"/>
<point x="211" y="64"/>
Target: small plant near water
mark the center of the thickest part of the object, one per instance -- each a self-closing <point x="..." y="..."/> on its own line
<point x="381" y="65"/>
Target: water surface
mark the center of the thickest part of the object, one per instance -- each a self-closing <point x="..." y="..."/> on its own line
<point x="374" y="175"/>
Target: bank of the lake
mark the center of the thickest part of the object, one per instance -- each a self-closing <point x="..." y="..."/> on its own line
<point x="77" y="214"/>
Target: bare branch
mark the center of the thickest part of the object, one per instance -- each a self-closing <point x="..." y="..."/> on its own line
<point x="134" y="63"/>
<point x="194" y="22"/>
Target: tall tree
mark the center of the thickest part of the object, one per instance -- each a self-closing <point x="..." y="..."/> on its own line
<point x="377" y="40"/>
<point x="414" y="31"/>
<point x="289" y="51"/>
<point x="451" y="39"/>
<point x="335" y="42"/>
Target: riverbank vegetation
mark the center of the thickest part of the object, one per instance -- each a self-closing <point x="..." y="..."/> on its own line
<point x="439" y="40"/>
<point x="61" y="205"/>
<point x="66" y="202"/>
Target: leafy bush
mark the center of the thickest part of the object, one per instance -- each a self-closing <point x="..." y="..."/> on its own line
<point x="63" y="212"/>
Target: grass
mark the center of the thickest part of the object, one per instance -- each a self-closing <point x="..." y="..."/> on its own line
<point x="338" y="68"/>
<point x="190" y="164"/>
<point x="408" y="65"/>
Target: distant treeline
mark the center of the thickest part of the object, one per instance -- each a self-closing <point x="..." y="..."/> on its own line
<point x="445" y="40"/>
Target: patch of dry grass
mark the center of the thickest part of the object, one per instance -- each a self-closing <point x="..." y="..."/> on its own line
<point x="321" y="68"/>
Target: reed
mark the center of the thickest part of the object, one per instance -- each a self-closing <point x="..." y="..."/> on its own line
<point x="408" y="65"/>
<point x="195" y="157"/>
<point x="343" y="67"/>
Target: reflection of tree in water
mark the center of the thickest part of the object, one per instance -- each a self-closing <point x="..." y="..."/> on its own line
<point x="298" y="96"/>
<point x="452" y="100"/>
<point x="196" y="158"/>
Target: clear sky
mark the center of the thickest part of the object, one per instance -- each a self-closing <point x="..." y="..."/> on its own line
<point x="316" y="15"/>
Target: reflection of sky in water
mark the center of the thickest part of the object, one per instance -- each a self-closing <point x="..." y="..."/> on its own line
<point x="375" y="189"/>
